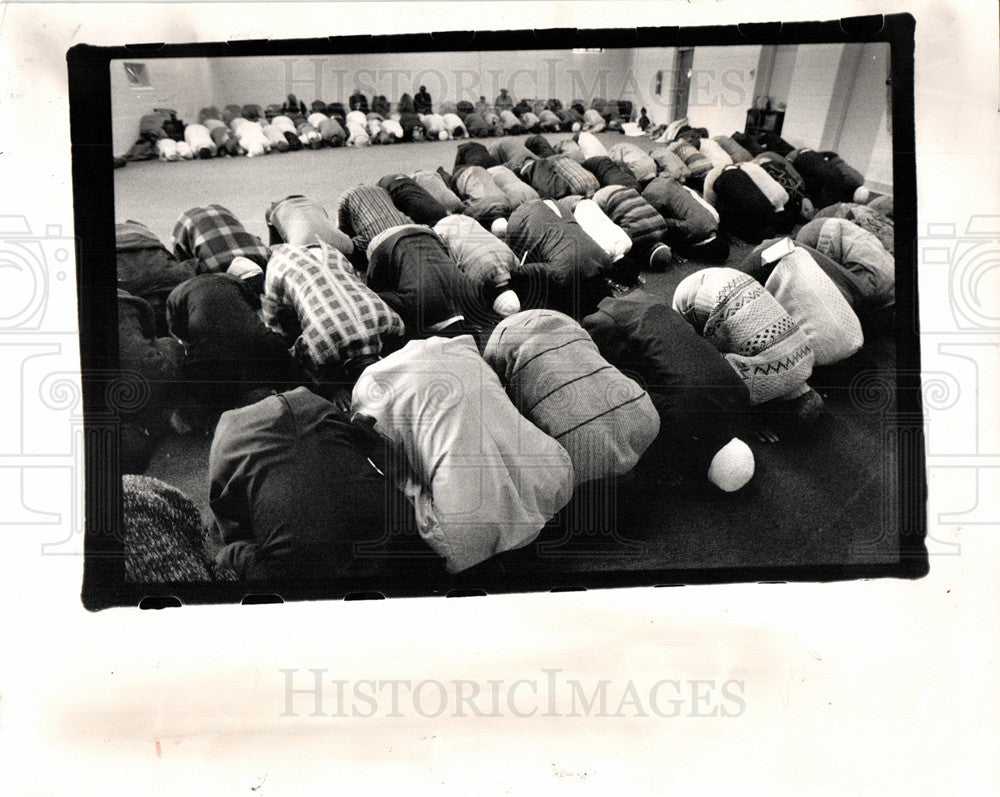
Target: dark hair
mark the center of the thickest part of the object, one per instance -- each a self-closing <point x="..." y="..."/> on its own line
<point x="423" y="88"/>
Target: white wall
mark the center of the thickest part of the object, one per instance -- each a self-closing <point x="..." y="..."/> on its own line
<point x="644" y="64"/>
<point x="178" y="83"/>
<point x="722" y="84"/>
<point x="810" y="93"/>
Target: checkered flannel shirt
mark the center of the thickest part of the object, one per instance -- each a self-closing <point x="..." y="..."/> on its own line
<point x="364" y="211"/>
<point x="215" y="237"/>
<point x="341" y="318"/>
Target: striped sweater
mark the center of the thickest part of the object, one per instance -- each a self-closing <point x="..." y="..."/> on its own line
<point x="558" y="379"/>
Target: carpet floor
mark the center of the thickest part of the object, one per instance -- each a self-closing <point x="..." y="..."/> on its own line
<point x="822" y="499"/>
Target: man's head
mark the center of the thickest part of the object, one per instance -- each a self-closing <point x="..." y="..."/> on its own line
<point x="423" y="89"/>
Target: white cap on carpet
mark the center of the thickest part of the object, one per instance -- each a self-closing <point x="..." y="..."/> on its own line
<point x="732" y="466"/>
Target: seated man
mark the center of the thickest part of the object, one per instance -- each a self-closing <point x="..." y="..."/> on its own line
<point x="364" y="212"/>
<point x="503" y="102"/>
<point x="358" y="102"/>
<point x="300" y="221"/>
<point x="745" y="323"/>
<point x="558" y="379"/>
<point x="481" y="478"/>
<point x="410" y="268"/>
<point x="313" y="296"/>
<point x="214" y="237"/>
<point x="422" y="101"/>
<point x="295" y="485"/>
<point x="702" y="402"/>
<point x="229" y="355"/>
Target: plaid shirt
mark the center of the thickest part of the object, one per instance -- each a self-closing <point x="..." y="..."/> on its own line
<point x="215" y="237"/>
<point x="364" y="211"/>
<point x="341" y="318"/>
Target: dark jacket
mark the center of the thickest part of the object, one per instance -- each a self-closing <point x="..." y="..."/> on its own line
<point x="608" y="172"/>
<point x="687" y="220"/>
<point x="543" y="177"/>
<point x="147" y="270"/>
<point x="472" y="153"/>
<point x="229" y="351"/>
<point x="536" y="230"/>
<point x="294" y="489"/>
<point x="413" y="200"/>
<point x="476" y="125"/>
<point x="412" y="271"/>
<point x="697" y="393"/>
<point x="743" y="208"/>
<point x="539" y="146"/>
<point x="422" y="102"/>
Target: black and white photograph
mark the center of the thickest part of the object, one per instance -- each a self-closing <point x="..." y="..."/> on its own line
<point x="511" y="397"/>
<point x="410" y="322"/>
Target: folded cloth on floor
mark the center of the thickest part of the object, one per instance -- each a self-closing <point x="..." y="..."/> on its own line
<point x="744" y="322"/>
<point x="301" y="221"/>
<point x="340" y="319"/>
<point x="558" y="379"/>
<point x="294" y="489"/>
<point x="817" y="306"/>
<point x="215" y="237"/>
<point x="481" y="477"/>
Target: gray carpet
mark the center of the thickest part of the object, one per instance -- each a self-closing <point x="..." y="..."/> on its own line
<point x="821" y="500"/>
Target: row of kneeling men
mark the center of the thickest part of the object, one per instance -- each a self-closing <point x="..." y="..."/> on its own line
<point x="550" y="400"/>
